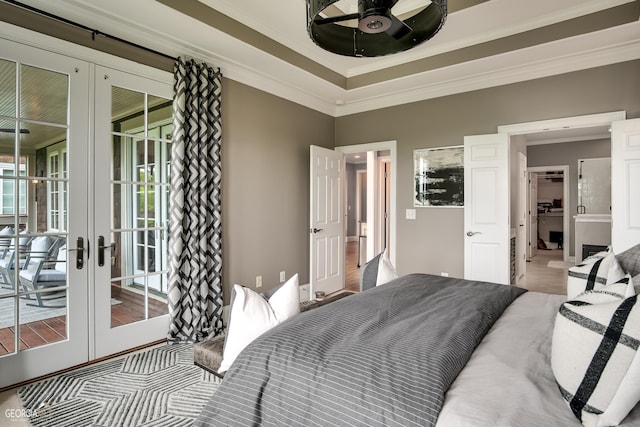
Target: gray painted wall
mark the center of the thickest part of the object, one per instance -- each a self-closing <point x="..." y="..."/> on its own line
<point x="433" y="243"/>
<point x="568" y="153"/>
<point x="265" y="184"/>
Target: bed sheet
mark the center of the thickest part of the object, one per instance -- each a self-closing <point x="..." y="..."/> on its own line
<point x="508" y="380"/>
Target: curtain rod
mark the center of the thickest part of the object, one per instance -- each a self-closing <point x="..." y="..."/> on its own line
<point x="93" y="31"/>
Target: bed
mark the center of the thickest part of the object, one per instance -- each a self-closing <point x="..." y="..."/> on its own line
<point x="421" y="350"/>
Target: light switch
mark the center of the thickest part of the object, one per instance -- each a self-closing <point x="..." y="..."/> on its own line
<point x="410" y="214"/>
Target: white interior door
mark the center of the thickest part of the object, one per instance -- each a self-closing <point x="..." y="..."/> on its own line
<point x="326" y="220"/>
<point x="521" y="230"/>
<point x="132" y="158"/>
<point x="533" y="214"/>
<point x="625" y="184"/>
<point x="43" y="156"/>
<point x="486" y="207"/>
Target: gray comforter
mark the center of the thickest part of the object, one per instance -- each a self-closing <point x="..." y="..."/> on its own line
<point x="383" y="357"/>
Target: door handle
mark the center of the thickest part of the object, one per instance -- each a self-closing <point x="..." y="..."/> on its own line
<point x="315" y="230"/>
<point x="473" y="233"/>
<point x="79" y="250"/>
<point x="101" y="249"/>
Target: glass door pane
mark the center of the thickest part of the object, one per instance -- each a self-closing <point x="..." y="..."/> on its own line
<point x="137" y="136"/>
<point x="43" y="118"/>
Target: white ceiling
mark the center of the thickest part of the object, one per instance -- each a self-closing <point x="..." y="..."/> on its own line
<point x="153" y="24"/>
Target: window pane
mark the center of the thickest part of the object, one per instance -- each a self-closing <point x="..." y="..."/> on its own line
<point x="127" y="111"/>
<point x="7" y="201"/>
<point x="40" y="138"/>
<point x="7" y="88"/>
<point x="7" y="141"/>
<point x="158" y="295"/>
<point x="127" y="303"/>
<point x="43" y="95"/>
<point x="7" y="325"/>
<point x="160" y="113"/>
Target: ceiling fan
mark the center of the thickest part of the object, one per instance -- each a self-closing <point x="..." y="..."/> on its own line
<point x="379" y="31"/>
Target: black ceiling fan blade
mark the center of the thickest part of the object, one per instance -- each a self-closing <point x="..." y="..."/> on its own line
<point x="331" y="20"/>
<point x="398" y="29"/>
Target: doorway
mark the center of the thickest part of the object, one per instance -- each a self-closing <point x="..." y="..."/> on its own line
<point x="491" y="160"/>
<point x="548" y="224"/>
<point x="369" y="205"/>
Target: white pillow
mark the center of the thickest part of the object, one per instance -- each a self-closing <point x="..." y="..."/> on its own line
<point x="593" y="273"/>
<point x="603" y="372"/>
<point x="252" y="315"/>
<point x="386" y="270"/>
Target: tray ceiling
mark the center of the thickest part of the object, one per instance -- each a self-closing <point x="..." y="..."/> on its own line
<point x="483" y="43"/>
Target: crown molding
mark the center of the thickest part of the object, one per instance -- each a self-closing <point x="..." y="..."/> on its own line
<point x="277" y="77"/>
<point x="554" y="58"/>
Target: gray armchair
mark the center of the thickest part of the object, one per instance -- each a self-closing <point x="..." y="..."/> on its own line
<point x="46" y="268"/>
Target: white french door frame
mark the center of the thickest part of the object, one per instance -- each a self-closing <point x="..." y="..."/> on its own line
<point x="74" y="349"/>
<point x="116" y="339"/>
<point x="81" y="61"/>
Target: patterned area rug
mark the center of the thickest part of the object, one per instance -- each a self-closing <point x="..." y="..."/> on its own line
<point x="158" y="387"/>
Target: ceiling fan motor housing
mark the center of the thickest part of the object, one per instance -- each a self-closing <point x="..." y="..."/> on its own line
<point x="378" y="32"/>
<point x="375" y="15"/>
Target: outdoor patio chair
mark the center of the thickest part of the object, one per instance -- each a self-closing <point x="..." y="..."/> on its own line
<point x="7" y="261"/>
<point x="5" y="242"/>
<point x="45" y="269"/>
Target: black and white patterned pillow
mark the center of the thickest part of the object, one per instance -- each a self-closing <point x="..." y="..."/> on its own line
<point x="593" y="273"/>
<point x="594" y="354"/>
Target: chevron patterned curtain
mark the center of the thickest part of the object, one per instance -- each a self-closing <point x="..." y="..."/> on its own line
<point x="195" y="229"/>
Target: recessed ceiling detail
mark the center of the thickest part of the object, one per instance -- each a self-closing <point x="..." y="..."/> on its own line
<point x="483" y="44"/>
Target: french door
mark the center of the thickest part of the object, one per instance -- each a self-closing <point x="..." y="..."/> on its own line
<point x="84" y="174"/>
<point x="44" y="279"/>
<point x="133" y="144"/>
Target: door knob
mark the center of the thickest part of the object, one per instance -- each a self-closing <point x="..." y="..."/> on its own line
<point x="79" y="250"/>
<point x="315" y="230"/>
<point x="473" y="233"/>
<point x="101" y="249"/>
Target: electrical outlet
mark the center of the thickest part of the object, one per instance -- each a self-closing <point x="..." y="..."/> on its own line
<point x="258" y="281"/>
<point x="283" y="276"/>
<point x="443" y="274"/>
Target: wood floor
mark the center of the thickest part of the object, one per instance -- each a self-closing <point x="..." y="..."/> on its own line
<point x="539" y="277"/>
<point x="34" y="334"/>
<point x="352" y="279"/>
<point x="542" y="278"/>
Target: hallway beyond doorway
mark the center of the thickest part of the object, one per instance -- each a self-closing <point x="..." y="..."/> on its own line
<point x="540" y="277"/>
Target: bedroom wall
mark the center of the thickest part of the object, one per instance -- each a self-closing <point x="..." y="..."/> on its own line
<point x="568" y="153"/>
<point x="265" y="185"/>
<point x="433" y="242"/>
